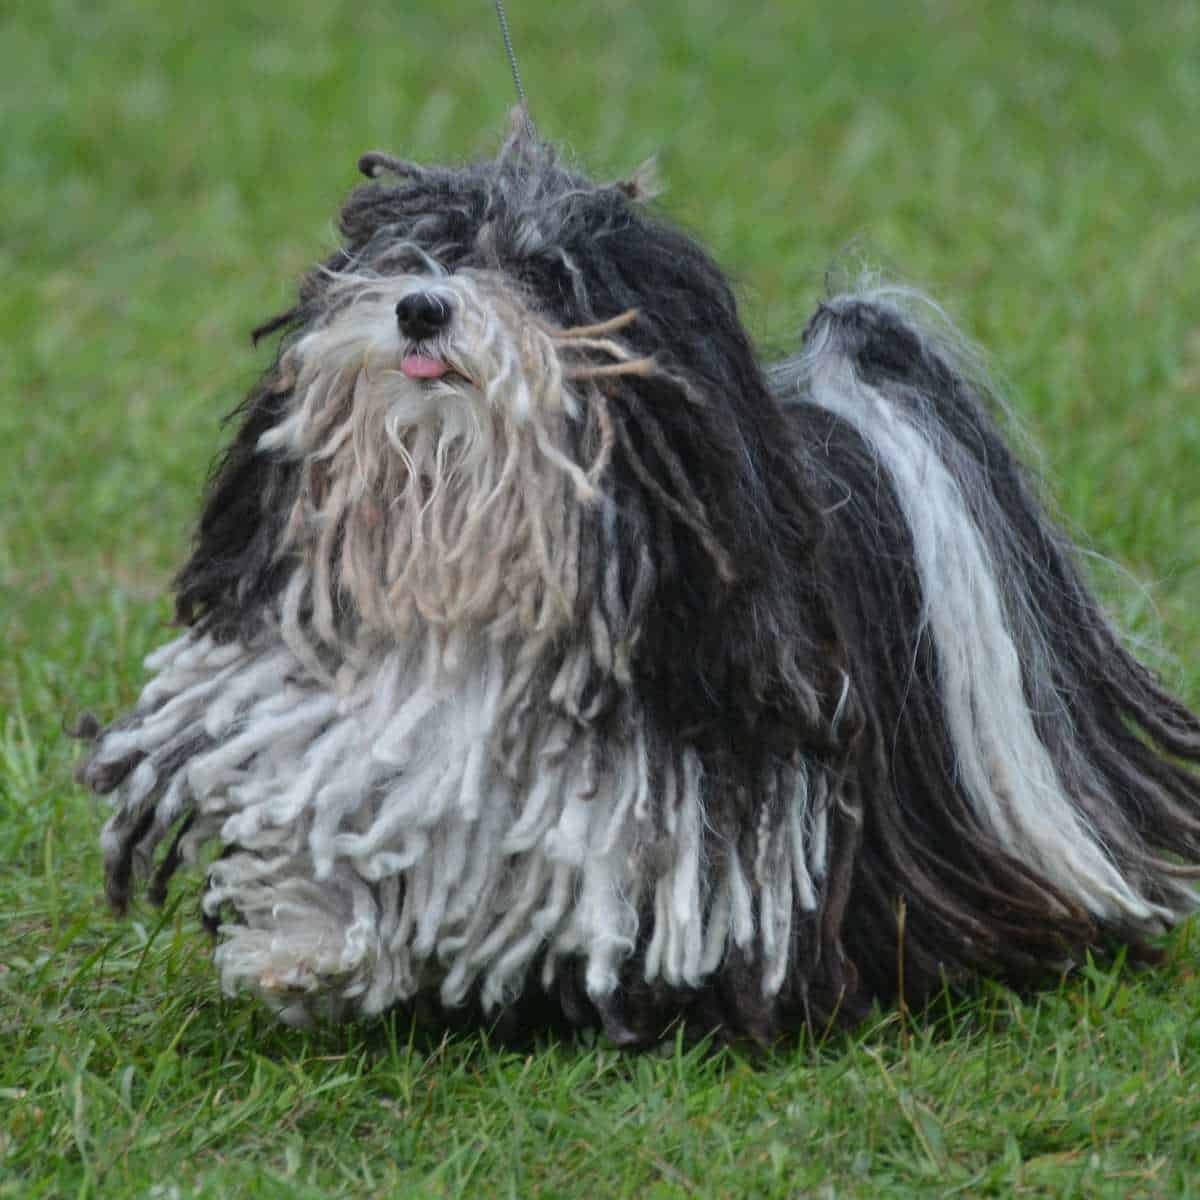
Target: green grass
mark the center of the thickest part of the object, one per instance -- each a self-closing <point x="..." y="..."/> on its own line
<point x="166" y="170"/>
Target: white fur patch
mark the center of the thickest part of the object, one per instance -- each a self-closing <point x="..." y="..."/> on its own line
<point x="378" y="846"/>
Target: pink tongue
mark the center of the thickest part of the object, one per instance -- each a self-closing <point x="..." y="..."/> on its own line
<point x="421" y="366"/>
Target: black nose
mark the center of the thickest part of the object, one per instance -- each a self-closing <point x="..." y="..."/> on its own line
<point x="421" y="315"/>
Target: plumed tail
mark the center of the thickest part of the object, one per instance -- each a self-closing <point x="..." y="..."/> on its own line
<point x="1029" y="786"/>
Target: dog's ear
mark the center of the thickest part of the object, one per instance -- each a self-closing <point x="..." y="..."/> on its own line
<point x="235" y="568"/>
<point x="737" y="643"/>
<point x="709" y="484"/>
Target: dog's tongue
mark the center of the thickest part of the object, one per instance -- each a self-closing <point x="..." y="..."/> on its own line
<point x="422" y="366"/>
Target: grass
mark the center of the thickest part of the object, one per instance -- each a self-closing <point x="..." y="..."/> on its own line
<point x="167" y="170"/>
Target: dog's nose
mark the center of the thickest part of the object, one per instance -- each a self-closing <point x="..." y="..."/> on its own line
<point x="421" y="315"/>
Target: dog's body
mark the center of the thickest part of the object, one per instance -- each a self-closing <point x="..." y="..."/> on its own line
<point x="541" y="643"/>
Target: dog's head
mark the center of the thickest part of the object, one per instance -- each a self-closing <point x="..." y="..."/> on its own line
<point x="514" y="398"/>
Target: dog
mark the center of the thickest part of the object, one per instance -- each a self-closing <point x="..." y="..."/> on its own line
<point x="544" y="653"/>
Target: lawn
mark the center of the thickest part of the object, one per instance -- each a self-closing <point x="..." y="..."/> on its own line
<point x="168" y="169"/>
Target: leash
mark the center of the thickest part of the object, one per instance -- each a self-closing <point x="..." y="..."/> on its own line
<point x="502" y="17"/>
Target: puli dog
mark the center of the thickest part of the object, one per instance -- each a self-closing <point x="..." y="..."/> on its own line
<point x="544" y="653"/>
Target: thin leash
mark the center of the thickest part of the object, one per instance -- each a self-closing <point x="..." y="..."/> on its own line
<point x="502" y="17"/>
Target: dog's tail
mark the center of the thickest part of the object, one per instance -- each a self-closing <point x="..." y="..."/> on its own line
<point x="1031" y="783"/>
